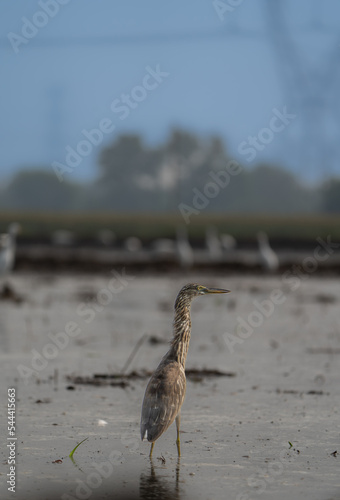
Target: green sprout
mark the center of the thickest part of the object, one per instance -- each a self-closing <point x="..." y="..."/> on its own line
<point x="290" y="444"/>
<point x="74" y="449"/>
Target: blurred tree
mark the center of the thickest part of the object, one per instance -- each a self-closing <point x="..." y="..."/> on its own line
<point x="209" y="183"/>
<point x="184" y="169"/>
<point x="273" y="189"/>
<point x="184" y="153"/>
<point x="330" y="196"/>
<point x="40" y="190"/>
<point x="182" y="144"/>
<point x="122" y="159"/>
<point x="123" y="166"/>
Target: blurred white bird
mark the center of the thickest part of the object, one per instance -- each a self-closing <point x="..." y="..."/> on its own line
<point x="268" y="258"/>
<point x="228" y="241"/>
<point x="164" y="246"/>
<point x="7" y="249"/>
<point x="133" y="244"/>
<point x="185" y="253"/>
<point x="213" y="243"/>
<point x="63" y="237"/>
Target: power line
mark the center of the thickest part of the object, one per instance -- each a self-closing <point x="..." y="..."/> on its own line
<point x="156" y="38"/>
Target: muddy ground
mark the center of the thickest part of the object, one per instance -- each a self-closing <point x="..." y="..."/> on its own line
<point x="268" y="429"/>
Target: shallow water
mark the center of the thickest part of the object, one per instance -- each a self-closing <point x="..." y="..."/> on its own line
<point x="235" y="430"/>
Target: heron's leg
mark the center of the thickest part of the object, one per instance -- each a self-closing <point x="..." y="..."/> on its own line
<point x="178" y="441"/>
<point x="151" y="449"/>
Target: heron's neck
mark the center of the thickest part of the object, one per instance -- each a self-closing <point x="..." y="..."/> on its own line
<point x="182" y="329"/>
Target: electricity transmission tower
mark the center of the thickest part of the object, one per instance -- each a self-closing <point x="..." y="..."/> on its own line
<point x="312" y="88"/>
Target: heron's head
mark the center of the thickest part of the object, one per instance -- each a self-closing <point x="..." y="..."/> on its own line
<point x="192" y="290"/>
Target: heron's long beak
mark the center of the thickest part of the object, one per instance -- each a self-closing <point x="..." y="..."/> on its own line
<point x="216" y="290"/>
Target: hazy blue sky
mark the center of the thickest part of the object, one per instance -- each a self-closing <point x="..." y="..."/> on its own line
<point x="225" y="76"/>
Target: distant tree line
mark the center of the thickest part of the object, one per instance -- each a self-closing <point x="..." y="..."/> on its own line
<point x="185" y="172"/>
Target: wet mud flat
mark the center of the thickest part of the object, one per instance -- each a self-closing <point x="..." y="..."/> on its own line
<point x="270" y="428"/>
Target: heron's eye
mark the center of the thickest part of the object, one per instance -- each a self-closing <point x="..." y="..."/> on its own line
<point x="200" y="287"/>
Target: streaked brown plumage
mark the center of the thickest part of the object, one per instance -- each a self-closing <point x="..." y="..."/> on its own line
<point x="165" y="391"/>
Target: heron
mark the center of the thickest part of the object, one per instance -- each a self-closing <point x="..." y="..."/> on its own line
<point x="133" y="244"/>
<point x="184" y="250"/>
<point x="165" y="392"/>
<point x="268" y="258"/>
<point x="228" y="241"/>
<point x="213" y="243"/>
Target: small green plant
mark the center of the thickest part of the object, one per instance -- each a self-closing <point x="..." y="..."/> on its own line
<point x="290" y="445"/>
<point x="74" y="449"/>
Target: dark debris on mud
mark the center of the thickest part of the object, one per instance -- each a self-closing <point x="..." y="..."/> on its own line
<point x="124" y="380"/>
<point x="9" y="294"/>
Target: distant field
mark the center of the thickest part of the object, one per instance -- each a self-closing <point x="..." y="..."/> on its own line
<point x="149" y="226"/>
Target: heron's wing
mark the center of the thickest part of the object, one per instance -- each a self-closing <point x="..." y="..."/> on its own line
<point x="163" y="399"/>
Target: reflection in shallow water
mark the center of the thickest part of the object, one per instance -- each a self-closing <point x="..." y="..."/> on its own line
<point x="153" y="486"/>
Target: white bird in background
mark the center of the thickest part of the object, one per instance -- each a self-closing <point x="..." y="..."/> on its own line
<point x="7" y="249"/>
<point x="213" y="243"/>
<point x="268" y="258"/>
<point x="133" y="244"/>
<point x="228" y="241"/>
<point x="63" y="237"/>
<point x="164" y="246"/>
<point x="185" y="253"/>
